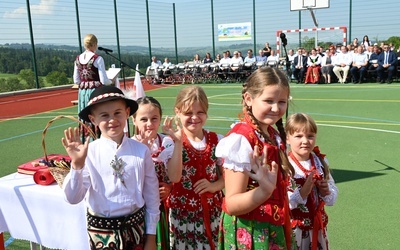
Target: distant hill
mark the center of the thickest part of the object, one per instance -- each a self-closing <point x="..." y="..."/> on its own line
<point x="142" y="50"/>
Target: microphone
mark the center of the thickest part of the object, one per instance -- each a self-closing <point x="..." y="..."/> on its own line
<point x="105" y="50"/>
<point x="283" y="39"/>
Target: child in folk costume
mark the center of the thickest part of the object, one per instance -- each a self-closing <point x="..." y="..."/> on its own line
<point x="196" y="196"/>
<point x="147" y="120"/>
<point x="114" y="174"/>
<point x="256" y="169"/>
<point x="312" y="186"/>
<point x="314" y="66"/>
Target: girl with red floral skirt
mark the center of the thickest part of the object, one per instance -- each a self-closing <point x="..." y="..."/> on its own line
<point x="196" y="196"/>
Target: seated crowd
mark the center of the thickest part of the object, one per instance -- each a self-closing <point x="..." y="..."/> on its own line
<point x="356" y="63"/>
<point x="224" y="67"/>
<point x="345" y="64"/>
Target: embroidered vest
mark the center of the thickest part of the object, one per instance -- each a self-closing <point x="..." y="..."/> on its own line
<point x="197" y="165"/>
<point x="303" y="216"/>
<point x="88" y="73"/>
<point x="272" y="209"/>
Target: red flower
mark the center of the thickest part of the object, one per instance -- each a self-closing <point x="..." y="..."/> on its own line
<point x="244" y="237"/>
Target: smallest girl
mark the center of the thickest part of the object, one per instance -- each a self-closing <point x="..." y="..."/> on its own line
<point x="312" y="186"/>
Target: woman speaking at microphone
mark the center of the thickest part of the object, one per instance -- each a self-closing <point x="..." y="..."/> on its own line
<point x="89" y="74"/>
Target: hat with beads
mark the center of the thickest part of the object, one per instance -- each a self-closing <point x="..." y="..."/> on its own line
<point x="105" y="94"/>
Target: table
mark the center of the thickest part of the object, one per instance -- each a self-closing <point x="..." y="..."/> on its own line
<point x="40" y="214"/>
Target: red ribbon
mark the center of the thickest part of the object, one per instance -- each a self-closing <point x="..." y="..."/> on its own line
<point x="318" y="153"/>
<point x="318" y="225"/>
<point x="207" y="217"/>
<point x="43" y="177"/>
<point x="287" y="226"/>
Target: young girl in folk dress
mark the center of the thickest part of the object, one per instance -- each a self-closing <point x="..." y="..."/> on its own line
<point x="255" y="209"/>
<point x="312" y="186"/>
<point x="314" y="67"/>
<point x="196" y="197"/>
<point x="147" y="120"/>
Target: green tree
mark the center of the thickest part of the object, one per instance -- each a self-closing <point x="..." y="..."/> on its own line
<point x="28" y="76"/>
<point x="395" y="40"/>
<point x="57" y="78"/>
<point x="10" y="84"/>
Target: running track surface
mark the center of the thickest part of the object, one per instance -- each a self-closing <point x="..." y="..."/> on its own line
<point x="22" y="104"/>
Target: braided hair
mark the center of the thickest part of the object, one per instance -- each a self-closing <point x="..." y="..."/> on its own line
<point x="300" y="122"/>
<point x="254" y="86"/>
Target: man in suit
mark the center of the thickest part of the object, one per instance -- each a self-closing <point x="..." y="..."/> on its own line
<point x="386" y="61"/>
<point x="299" y="65"/>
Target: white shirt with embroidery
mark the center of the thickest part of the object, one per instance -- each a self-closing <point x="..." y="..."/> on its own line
<point x="108" y="195"/>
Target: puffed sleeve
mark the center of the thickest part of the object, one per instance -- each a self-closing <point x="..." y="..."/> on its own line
<point x="77" y="78"/>
<point x="235" y="149"/>
<point x="99" y="63"/>
<point x="168" y="149"/>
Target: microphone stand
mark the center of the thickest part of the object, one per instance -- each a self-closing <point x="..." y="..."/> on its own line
<point x="284" y="43"/>
<point x="288" y="73"/>
<point x="123" y="64"/>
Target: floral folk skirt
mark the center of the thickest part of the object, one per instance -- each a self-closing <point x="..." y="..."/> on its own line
<point x="238" y="233"/>
<point x="304" y="239"/>
<point x="188" y="230"/>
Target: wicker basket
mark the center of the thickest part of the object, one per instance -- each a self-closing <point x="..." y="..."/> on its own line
<point x="61" y="167"/>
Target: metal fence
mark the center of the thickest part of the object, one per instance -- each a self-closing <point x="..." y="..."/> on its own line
<point x="182" y="28"/>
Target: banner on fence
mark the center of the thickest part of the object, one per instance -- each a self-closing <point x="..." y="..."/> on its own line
<point x="234" y="31"/>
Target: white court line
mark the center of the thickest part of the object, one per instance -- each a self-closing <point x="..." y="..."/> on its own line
<point x="359" y="128"/>
<point x="321" y="124"/>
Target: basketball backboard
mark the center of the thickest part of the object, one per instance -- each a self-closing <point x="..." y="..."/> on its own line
<point x="306" y="4"/>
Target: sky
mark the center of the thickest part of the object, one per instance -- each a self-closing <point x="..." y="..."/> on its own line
<point x="55" y="22"/>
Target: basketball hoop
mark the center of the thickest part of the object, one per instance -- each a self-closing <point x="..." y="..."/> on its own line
<point x="296" y="5"/>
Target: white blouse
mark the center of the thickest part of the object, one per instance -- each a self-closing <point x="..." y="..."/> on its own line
<point x="235" y="149"/>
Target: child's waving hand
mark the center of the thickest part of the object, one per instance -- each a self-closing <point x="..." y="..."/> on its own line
<point x="74" y="147"/>
<point x="265" y="175"/>
<point x="168" y="128"/>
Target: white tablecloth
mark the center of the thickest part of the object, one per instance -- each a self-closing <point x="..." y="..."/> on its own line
<point x="40" y="214"/>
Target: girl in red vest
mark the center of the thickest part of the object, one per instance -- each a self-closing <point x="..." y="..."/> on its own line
<point x="312" y="186"/>
<point x="196" y="196"/>
<point x="256" y="168"/>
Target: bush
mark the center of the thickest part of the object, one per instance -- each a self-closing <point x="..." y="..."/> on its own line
<point x="10" y="84"/>
<point x="28" y="76"/>
<point x="57" y="78"/>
